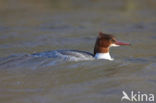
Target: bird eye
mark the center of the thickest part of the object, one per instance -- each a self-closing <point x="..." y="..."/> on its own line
<point x="113" y="40"/>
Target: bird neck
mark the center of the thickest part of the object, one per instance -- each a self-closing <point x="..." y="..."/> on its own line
<point x="103" y="56"/>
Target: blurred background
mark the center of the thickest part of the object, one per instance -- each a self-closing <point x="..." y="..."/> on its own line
<point x="29" y="26"/>
<point x="37" y="25"/>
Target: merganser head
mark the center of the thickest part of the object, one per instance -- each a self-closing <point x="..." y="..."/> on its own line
<point x="102" y="45"/>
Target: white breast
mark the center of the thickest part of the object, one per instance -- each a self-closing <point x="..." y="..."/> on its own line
<point x="103" y="56"/>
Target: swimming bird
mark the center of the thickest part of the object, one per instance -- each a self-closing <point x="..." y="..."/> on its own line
<point x="101" y="50"/>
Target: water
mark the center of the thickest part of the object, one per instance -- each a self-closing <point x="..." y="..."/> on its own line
<point x="29" y="26"/>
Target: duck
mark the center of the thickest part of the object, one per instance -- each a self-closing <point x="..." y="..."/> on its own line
<point x="102" y="47"/>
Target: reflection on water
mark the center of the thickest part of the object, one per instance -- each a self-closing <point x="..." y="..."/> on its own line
<point x="30" y="26"/>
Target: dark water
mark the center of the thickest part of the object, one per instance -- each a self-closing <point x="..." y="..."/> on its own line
<point x="29" y="26"/>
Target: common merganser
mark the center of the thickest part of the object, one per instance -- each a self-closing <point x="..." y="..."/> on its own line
<point x="101" y="50"/>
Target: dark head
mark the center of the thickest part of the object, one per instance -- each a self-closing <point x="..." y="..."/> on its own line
<point x="104" y="42"/>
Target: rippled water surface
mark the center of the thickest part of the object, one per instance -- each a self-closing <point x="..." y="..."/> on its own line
<point x="30" y="26"/>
